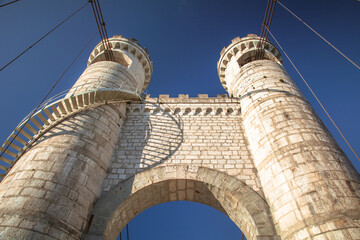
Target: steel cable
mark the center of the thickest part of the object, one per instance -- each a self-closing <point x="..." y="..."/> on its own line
<point x="106" y="34"/>
<point x="257" y="54"/>
<point x="8" y="3"/>
<point x="319" y="35"/>
<point x="43" y="37"/>
<point x="103" y="29"/>
<point x="262" y="26"/>
<point x="54" y="85"/>
<point x="269" y="12"/>
<point x="98" y="24"/>
<point x="109" y="56"/>
<point x="317" y="99"/>
<point x="267" y="27"/>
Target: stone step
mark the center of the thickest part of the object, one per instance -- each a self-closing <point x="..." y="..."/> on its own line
<point x="46" y="118"/>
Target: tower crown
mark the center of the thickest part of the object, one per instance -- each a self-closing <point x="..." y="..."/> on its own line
<point x="240" y="52"/>
<point x="126" y="52"/>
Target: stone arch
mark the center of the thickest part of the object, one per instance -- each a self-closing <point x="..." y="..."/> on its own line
<point x="246" y="208"/>
<point x="250" y="56"/>
<point x="119" y="57"/>
<point x="156" y="111"/>
<point x="197" y="111"/>
<point x="117" y="45"/>
<point x="229" y="111"/>
<point x="208" y="111"/>
<point x="166" y="111"/>
<point x="136" y="110"/>
<point x="218" y="111"/>
<point x="177" y="111"/>
<point x="187" y="111"/>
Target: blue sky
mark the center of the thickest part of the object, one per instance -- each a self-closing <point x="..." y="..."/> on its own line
<point x="184" y="39"/>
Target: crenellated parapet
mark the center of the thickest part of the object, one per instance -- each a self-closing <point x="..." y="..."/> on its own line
<point x="128" y="53"/>
<point x="302" y="170"/>
<point x="183" y="105"/>
<point x="184" y="98"/>
<point x="240" y="52"/>
<point x="93" y="157"/>
<point x="68" y="144"/>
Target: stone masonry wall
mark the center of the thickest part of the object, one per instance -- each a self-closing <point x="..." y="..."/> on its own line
<point x="50" y="191"/>
<point x="105" y="75"/>
<point x="311" y="187"/>
<point x="172" y="182"/>
<point x="201" y="131"/>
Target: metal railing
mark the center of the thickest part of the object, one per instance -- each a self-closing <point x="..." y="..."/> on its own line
<point x="54" y="110"/>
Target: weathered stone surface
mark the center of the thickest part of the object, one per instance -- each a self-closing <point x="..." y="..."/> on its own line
<point x="261" y="156"/>
<point x="306" y="178"/>
<point x="204" y="185"/>
<point x="50" y="192"/>
<point x="176" y="131"/>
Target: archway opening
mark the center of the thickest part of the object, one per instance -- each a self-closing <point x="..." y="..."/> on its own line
<point x="181" y="220"/>
<point x="245" y="207"/>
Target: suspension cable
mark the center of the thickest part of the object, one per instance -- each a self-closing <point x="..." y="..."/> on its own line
<point x="269" y="12"/>
<point x="100" y="23"/>
<point x="268" y="27"/>
<point x="103" y="22"/>
<point x="107" y="49"/>
<point x="43" y="36"/>
<point x="317" y="99"/>
<point x="107" y="42"/>
<point x="318" y="34"/>
<point x="54" y="85"/>
<point x="105" y="32"/>
<point x="263" y="22"/>
<point x="257" y="54"/>
<point x="9" y="3"/>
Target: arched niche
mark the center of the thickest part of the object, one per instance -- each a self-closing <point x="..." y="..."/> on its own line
<point x="250" y="56"/>
<point x="246" y="208"/>
<point x="119" y="57"/>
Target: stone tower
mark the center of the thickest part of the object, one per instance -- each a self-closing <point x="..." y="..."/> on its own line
<point x="311" y="187"/>
<point x="50" y="191"/>
<point x="103" y="154"/>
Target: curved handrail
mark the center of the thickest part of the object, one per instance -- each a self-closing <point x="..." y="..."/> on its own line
<point x="52" y="112"/>
<point x="62" y="94"/>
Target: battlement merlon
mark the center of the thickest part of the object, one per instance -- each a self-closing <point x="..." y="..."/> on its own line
<point x="125" y="51"/>
<point x="202" y="105"/>
<point x="244" y="50"/>
<point x="184" y="98"/>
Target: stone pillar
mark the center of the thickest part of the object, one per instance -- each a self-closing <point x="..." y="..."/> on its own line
<point x="310" y="185"/>
<point x="50" y="192"/>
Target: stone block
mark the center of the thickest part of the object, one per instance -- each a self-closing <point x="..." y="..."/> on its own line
<point x="269" y="166"/>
